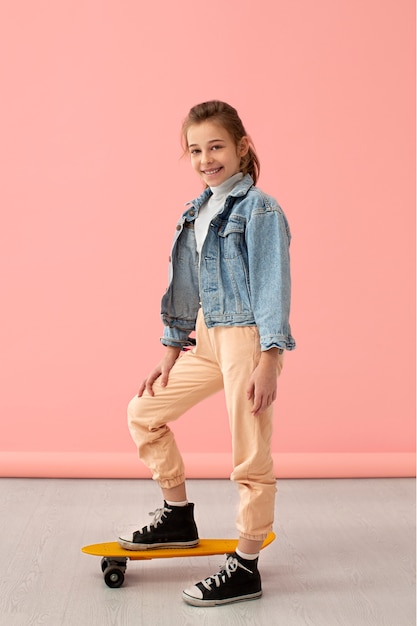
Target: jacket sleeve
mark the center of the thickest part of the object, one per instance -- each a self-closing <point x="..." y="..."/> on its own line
<point x="268" y="239"/>
<point x="177" y="337"/>
<point x="180" y="302"/>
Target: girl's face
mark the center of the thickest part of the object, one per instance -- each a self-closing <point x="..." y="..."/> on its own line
<point x="214" y="154"/>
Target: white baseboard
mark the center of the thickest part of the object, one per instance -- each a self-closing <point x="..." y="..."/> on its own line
<point x="206" y="465"/>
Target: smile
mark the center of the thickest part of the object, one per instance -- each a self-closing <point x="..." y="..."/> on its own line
<point x="211" y="172"/>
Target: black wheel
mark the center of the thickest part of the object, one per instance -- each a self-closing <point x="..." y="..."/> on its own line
<point x="113" y="577"/>
<point x="104" y="564"/>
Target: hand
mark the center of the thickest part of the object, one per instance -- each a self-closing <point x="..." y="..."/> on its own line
<point x="262" y="387"/>
<point x="162" y="370"/>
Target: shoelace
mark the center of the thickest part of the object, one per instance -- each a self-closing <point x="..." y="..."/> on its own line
<point x="225" y="572"/>
<point x="158" y="516"/>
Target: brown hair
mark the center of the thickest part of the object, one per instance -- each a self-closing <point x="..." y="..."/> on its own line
<point x="228" y="117"/>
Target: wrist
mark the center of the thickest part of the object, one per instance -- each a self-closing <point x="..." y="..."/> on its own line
<point x="172" y="350"/>
<point x="272" y="354"/>
<point x="171" y="354"/>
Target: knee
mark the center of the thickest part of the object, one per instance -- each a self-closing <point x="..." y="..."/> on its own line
<point x="133" y="410"/>
<point x="141" y="414"/>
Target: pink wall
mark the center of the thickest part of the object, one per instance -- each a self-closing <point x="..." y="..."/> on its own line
<point x="93" y="96"/>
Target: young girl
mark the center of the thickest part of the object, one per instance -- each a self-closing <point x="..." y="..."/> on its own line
<point x="230" y="282"/>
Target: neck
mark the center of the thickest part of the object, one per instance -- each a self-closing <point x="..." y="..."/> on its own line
<point x="227" y="186"/>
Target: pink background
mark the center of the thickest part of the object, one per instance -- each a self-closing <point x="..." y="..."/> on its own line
<point x="93" y="96"/>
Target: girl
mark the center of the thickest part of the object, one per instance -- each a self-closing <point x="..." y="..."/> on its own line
<point x="229" y="281"/>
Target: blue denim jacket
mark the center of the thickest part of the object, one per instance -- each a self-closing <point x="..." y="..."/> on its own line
<point x="243" y="278"/>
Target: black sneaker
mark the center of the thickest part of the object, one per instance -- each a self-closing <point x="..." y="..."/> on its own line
<point x="171" y="527"/>
<point x="237" y="580"/>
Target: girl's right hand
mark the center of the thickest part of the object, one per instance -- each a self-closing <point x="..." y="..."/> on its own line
<point x="161" y="370"/>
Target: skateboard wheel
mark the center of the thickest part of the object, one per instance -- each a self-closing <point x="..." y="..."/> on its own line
<point x="104" y="564"/>
<point x="113" y="577"/>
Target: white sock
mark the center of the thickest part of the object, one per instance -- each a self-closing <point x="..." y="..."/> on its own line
<point x="247" y="557"/>
<point x="169" y="503"/>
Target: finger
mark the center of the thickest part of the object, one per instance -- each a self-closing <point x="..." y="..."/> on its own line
<point x="250" y="391"/>
<point x="141" y="389"/>
<point x="261" y="402"/>
<point x="164" y="379"/>
<point x="257" y="404"/>
<point x="149" y="384"/>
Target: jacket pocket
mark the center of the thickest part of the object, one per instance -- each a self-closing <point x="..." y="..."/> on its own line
<point x="232" y="238"/>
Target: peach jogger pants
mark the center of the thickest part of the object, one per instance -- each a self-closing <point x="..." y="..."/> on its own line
<point x="224" y="358"/>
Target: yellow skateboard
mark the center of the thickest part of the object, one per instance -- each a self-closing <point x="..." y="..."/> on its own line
<point x="114" y="558"/>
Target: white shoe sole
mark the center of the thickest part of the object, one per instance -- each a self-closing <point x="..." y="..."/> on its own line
<point x="197" y="602"/>
<point x="129" y="545"/>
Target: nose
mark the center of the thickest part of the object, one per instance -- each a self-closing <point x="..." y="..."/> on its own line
<point x="206" y="157"/>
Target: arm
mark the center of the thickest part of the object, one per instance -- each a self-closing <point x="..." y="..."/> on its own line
<point x="268" y="240"/>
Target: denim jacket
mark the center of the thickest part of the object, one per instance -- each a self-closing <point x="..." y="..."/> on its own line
<point x="243" y="276"/>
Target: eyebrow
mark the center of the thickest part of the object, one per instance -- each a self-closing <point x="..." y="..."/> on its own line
<point x="191" y="145"/>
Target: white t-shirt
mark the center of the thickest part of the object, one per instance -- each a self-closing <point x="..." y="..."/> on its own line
<point x="213" y="206"/>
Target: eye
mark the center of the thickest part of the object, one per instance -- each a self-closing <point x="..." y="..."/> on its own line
<point x="194" y="151"/>
<point x="216" y="147"/>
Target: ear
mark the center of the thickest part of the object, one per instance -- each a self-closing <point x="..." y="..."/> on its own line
<point x="243" y="147"/>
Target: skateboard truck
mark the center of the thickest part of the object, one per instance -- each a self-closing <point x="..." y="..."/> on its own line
<point x="114" y="571"/>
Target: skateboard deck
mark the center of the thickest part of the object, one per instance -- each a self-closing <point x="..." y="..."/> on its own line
<point x="114" y="558"/>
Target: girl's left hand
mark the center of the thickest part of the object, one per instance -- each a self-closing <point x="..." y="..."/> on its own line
<point x="262" y="387"/>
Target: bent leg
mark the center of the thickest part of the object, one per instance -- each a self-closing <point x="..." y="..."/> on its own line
<point x="194" y="377"/>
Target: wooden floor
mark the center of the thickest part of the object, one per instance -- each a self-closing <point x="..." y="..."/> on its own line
<point x="344" y="555"/>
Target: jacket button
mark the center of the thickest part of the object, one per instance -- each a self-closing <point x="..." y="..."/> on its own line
<point x="169" y="259"/>
<point x="191" y="213"/>
<point x="178" y="227"/>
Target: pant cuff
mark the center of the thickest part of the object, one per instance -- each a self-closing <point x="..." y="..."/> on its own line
<point x="170" y="483"/>
<point x="253" y="537"/>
